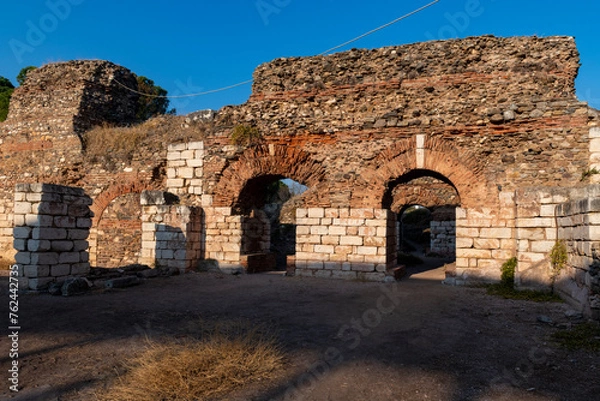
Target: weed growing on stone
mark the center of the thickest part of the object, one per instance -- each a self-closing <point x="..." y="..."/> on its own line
<point x="506" y="287"/>
<point x="585" y="336"/>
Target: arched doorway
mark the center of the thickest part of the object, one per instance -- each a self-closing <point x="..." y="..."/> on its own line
<point x="425" y="203"/>
<point x="269" y="203"/>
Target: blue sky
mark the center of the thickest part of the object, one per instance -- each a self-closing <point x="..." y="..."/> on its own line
<point x="194" y="46"/>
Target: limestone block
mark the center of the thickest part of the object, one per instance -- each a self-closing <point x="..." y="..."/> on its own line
<point x="319" y="230"/>
<point x="366" y="250"/>
<point x="52" y="209"/>
<point x="20" y="244"/>
<point x="175" y="182"/>
<point x="34" y="271"/>
<point x="363" y="267"/>
<point x="61" y="246"/>
<point x="351" y="240"/>
<point x="330" y="239"/>
<point x="23" y="208"/>
<point x="327" y="249"/>
<point x="180" y="254"/>
<point x="370" y="231"/>
<point x="23" y="258"/>
<point x="184" y="172"/>
<point x="496" y="232"/>
<point x="64" y="222"/>
<point x="542" y="246"/>
<point x="335" y="265"/>
<point x="60" y="270"/>
<point x="530" y="257"/>
<point x="69" y="257"/>
<point x="22" y="232"/>
<point x="332" y="213"/>
<point x="486" y="243"/>
<point x="344" y="275"/>
<point x="84" y="222"/>
<point x="80" y="268"/>
<point x="308" y="239"/>
<point x="337" y="230"/>
<point x="306" y="221"/>
<point x="473" y="253"/>
<point x="314" y="265"/>
<point x="316" y="212"/>
<point x="375" y="241"/>
<point x="364" y="214"/>
<point x="45" y="258"/>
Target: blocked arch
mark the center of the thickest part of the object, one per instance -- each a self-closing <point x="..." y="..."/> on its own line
<point x="266" y="160"/>
<point x="461" y="169"/>
<point x="123" y="186"/>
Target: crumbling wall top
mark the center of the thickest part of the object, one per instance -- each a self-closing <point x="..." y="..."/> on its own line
<point x="555" y="57"/>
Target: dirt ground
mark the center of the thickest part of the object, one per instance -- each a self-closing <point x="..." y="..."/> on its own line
<point x="412" y="340"/>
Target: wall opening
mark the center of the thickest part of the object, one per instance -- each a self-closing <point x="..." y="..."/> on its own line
<point x="270" y="200"/>
<point x="425" y="203"/>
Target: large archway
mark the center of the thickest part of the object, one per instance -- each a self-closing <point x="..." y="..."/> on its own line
<point x="425" y="203"/>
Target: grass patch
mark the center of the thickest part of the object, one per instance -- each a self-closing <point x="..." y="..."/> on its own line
<point x="509" y="292"/>
<point x="225" y="358"/>
<point x="585" y="336"/>
<point x="112" y="146"/>
<point x="408" y="259"/>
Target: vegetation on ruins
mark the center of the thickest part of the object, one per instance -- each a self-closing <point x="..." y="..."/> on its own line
<point x="245" y="135"/>
<point x="6" y="90"/>
<point x="154" y="103"/>
<point x="23" y="73"/>
<point x="506" y="287"/>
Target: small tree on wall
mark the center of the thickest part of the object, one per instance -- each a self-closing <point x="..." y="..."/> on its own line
<point x="6" y="90"/>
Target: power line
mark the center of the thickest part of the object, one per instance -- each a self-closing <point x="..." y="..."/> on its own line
<point x="395" y="21"/>
<point x="418" y="10"/>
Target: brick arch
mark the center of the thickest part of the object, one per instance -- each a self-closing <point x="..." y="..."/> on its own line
<point x="123" y="185"/>
<point x="266" y="160"/>
<point x="461" y="169"/>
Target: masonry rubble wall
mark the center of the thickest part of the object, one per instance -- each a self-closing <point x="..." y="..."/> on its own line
<point x="51" y="227"/>
<point x="486" y="116"/>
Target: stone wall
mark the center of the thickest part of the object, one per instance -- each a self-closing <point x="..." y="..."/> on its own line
<point x="119" y="232"/>
<point x="579" y="228"/>
<point x="345" y="243"/>
<point x="172" y="235"/>
<point x="443" y="238"/>
<point x="51" y="227"/>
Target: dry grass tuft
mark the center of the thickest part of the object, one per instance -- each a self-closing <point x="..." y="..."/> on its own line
<point x="226" y="358"/>
<point x="113" y="146"/>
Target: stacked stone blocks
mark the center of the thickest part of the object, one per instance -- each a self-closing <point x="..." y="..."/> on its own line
<point x="51" y="227"/>
<point x="345" y="243"/>
<point x="185" y="162"/>
<point x="171" y="234"/>
<point x="579" y="228"/>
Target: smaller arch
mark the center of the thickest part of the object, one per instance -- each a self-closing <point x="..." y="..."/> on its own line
<point x="272" y="162"/>
<point x="124" y="184"/>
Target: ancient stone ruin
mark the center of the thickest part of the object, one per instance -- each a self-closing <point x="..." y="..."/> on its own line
<point x="486" y="132"/>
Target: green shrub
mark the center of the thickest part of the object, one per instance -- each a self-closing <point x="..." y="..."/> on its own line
<point x="245" y="135"/>
<point x="507" y="279"/>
